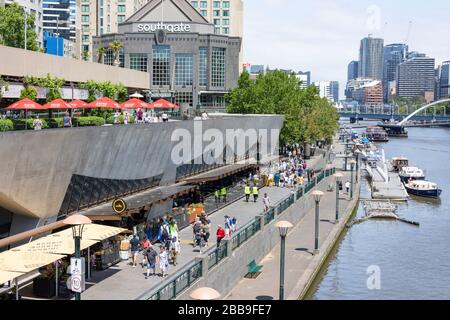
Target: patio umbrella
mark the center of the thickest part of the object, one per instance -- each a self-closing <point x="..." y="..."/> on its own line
<point x="135" y="104"/>
<point x="105" y="103"/>
<point x="58" y="104"/>
<point x="78" y="104"/>
<point x="25" y="104"/>
<point x="136" y="95"/>
<point x="164" y="104"/>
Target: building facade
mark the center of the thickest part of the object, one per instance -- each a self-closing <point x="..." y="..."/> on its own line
<point x="416" y="77"/>
<point x="305" y="78"/>
<point x="186" y="61"/>
<point x="33" y="7"/>
<point x="352" y="70"/>
<point x="353" y="86"/>
<point x="371" y="58"/>
<point x="444" y="80"/>
<point x="59" y="18"/>
<point x="58" y="46"/>
<point x="393" y="55"/>
<point x="329" y="90"/>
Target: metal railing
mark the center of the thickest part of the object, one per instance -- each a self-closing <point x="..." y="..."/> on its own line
<point x="246" y="233"/>
<point x="269" y="216"/>
<point x="217" y="255"/>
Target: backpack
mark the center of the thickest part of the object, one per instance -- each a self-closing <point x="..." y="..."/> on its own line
<point x="165" y="233"/>
<point x="196" y="228"/>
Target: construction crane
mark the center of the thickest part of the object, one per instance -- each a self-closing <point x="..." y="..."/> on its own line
<point x="409" y="32"/>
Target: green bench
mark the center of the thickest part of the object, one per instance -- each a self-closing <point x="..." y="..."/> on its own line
<point x="253" y="269"/>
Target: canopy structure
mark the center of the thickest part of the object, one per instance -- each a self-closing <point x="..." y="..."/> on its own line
<point x="18" y="261"/>
<point x="25" y="104"/>
<point x="164" y="104"/>
<point x="58" y="104"/>
<point x="105" y="103"/>
<point x="136" y="95"/>
<point x="6" y="276"/>
<point x="78" y="104"/>
<point x="135" y="104"/>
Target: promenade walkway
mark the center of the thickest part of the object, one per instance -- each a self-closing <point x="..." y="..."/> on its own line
<point x="123" y="282"/>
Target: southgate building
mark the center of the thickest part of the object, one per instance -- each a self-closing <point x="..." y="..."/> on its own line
<point x="187" y="62"/>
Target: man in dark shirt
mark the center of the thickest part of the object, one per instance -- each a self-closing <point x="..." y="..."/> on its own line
<point x="150" y="256"/>
<point x="134" y="249"/>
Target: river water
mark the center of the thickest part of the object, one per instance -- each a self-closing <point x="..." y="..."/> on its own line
<point x="409" y="262"/>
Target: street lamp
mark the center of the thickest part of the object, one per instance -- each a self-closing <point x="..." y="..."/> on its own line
<point x="338" y="176"/>
<point x="283" y="228"/>
<point x="77" y="222"/>
<point x="317" y="194"/>
<point x="205" y="294"/>
<point x="352" y="165"/>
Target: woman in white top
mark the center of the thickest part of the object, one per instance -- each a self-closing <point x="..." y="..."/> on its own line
<point x="163" y="261"/>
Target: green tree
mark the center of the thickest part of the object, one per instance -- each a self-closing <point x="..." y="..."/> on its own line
<point x="101" y="54"/>
<point x="12" y="27"/>
<point x="53" y="85"/>
<point x="85" y="55"/>
<point x="116" y="46"/>
<point x="28" y="92"/>
<point x="307" y="116"/>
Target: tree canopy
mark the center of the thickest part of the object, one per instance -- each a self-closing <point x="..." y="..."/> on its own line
<point x="12" y="27"/>
<point x="307" y="116"/>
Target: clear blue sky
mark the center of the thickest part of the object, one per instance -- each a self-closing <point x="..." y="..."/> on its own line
<point x="323" y="36"/>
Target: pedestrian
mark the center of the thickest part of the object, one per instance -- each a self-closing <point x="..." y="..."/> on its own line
<point x="134" y="249"/>
<point x="165" y="117"/>
<point x="220" y="233"/>
<point x="255" y="193"/>
<point x="227" y="227"/>
<point x="217" y="197"/>
<point x="145" y="244"/>
<point x="37" y="123"/>
<point x="347" y="186"/>
<point x="206" y="232"/>
<point x="140" y="114"/>
<point x="233" y="224"/>
<point x="165" y="236"/>
<point x="196" y="229"/>
<point x="126" y="117"/>
<point x="163" y="261"/>
<point x="266" y="202"/>
<point x="223" y="193"/>
<point x="247" y="192"/>
<point x="173" y="229"/>
<point x="67" y="121"/>
<point x="174" y="251"/>
<point x="150" y="256"/>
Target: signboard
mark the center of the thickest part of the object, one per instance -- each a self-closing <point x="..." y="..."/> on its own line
<point x="119" y="206"/>
<point x="77" y="266"/>
<point x="76" y="283"/>
<point x="171" y="27"/>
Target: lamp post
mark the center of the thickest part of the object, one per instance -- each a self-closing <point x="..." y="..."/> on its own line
<point x="338" y="176"/>
<point x="283" y="228"/>
<point x="77" y="222"/>
<point x="317" y="194"/>
<point x="357" y="153"/>
<point x="205" y="294"/>
<point x="352" y="166"/>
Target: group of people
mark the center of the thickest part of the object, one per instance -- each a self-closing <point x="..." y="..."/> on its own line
<point x="140" y="116"/>
<point x="201" y="231"/>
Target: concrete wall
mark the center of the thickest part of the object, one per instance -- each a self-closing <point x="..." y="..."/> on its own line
<point x="37" y="166"/>
<point x="227" y="274"/>
<point x="19" y="63"/>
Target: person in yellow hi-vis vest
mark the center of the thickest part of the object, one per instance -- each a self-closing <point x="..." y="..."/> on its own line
<point x="255" y="193"/>
<point x="217" y="197"/>
<point x="247" y="192"/>
<point x="223" y="193"/>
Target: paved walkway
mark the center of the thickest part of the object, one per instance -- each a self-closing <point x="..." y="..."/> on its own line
<point x="123" y="282"/>
<point x="300" y="261"/>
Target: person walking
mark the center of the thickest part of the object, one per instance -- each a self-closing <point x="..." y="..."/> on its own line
<point x="233" y="224"/>
<point x="134" y="249"/>
<point x="217" y="197"/>
<point x="347" y="186"/>
<point x="116" y="117"/>
<point x="206" y="232"/>
<point x="247" y="192"/>
<point x="165" y="236"/>
<point x="150" y="256"/>
<point x="37" y="123"/>
<point x="175" y="250"/>
<point x="145" y="244"/>
<point x="220" y="234"/>
<point x="163" y="261"/>
<point x="67" y="121"/>
<point x="223" y="193"/>
<point x="173" y="229"/>
<point x="266" y="202"/>
<point x="140" y="115"/>
<point x="126" y="117"/>
<point x="255" y="193"/>
<point x="227" y="227"/>
<point x="165" y="117"/>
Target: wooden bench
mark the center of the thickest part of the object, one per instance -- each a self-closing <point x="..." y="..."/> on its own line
<point x="253" y="270"/>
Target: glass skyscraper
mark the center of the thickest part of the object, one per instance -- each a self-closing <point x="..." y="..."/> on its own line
<point x="394" y="54"/>
<point x="371" y="58"/>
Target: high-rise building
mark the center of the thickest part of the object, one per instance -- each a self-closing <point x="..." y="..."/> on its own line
<point x="352" y="70"/>
<point x="444" y="80"/>
<point x="31" y="7"/>
<point x="103" y="17"/>
<point x="58" y="19"/>
<point x="371" y="58"/>
<point x="305" y="78"/>
<point x="393" y="55"/>
<point x="416" y="77"/>
<point x="329" y="90"/>
<point x="370" y="94"/>
<point x="353" y="85"/>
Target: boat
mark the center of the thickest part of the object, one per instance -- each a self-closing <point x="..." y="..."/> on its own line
<point x="423" y="188"/>
<point x="408" y="174"/>
<point x="399" y="163"/>
<point x="376" y="134"/>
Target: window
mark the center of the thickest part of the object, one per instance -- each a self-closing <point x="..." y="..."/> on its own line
<point x="85" y="28"/>
<point x="183" y="98"/>
<point x="226" y="22"/>
<point x="184" y="69"/>
<point x="120" y="19"/>
<point x="203" y="67"/>
<point x="138" y="61"/>
<point x="216" y="4"/>
<point x="84" y="18"/>
<point x="194" y="4"/>
<point x="216" y="13"/>
<point x="203" y="4"/>
<point x="218" y="67"/>
<point x="85" y="38"/>
<point x="109" y="57"/>
<point x="226" y="30"/>
<point x="226" y="13"/>
<point x="108" y="30"/>
<point x="216" y="22"/>
<point x="161" y="65"/>
<point x="217" y="30"/>
<point x="204" y="13"/>
<point x="84" y="8"/>
<point x="121" y="8"/>
<point x="226" y="4"/>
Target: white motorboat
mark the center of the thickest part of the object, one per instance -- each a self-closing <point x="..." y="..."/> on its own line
<point x="408" y="174"/>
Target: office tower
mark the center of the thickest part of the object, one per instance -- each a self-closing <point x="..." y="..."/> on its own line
<point x="352" y="70"/>
<point x="444" y="81"/>
<point x="371" y="58"/>
<point x="416" y="77"/>
<point x="393" y="55"/>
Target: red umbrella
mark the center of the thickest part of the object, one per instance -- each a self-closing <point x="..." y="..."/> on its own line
<point x="57" y="104"/>
<point x="164" y="104"/>
<point x="103" y="103"/>
<point x="25" y="104"/>
<point x="78" y="104"/>
<point x="135" y="104"/>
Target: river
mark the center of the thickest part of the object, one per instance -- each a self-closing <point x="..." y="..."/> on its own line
<point x="410" y="262"/>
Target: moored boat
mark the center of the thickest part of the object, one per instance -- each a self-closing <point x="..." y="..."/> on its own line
<point x="423" y="188"/>
<point x="408" y="174"/>
<point x="399" y="163"/>
<point x="377" y="134"/>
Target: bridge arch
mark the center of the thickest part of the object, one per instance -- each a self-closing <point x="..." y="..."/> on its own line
<point x="421" y="109"/>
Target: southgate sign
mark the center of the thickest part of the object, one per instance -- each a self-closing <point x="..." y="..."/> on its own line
<point x="152" y="27"/>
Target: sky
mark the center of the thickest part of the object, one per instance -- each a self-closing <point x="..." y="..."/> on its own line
<point x="323" y="36"/>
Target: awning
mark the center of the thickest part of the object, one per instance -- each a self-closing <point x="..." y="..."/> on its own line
<point x="6" y="276"/>
<point x="25" y="261"/>
<point x="59" y="243"/>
